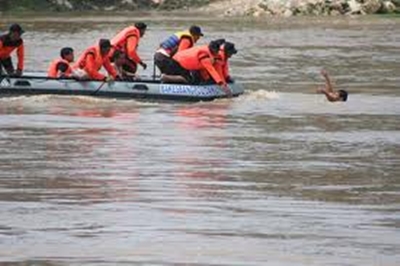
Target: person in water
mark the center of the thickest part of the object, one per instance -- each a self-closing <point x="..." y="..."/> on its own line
<point x="60" y="67"/>
<point x="330" y="93"/>
<point x="8" y="43"/>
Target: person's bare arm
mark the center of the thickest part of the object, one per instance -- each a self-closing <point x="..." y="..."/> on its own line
<point x="330" y="96"/>
<point x="328" y="83"/>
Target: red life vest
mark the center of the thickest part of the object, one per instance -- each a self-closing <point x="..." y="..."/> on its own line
<point x="92" y="68"/>
<point x="7" y="46"/>
<point x="221" y="64"/>
<point x="197" y="59"/>
<point x="81" y="62"/>
<point x="53" y="69"/>
<point x="190" y="59"/>
<point x="127" y="41"/>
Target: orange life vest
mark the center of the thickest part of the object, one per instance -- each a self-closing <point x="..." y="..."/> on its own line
<point x="127" y="41"/>
<point x="92" y="66"/>
<point x="7" y="47"/>
<point x="197" y="59"/>
<point x="53" y="69"/>
<point x="190" y="59"/>
<point x="221" y="64"/>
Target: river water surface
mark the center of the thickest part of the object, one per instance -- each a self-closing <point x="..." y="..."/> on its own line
<point x="278" y="176"/>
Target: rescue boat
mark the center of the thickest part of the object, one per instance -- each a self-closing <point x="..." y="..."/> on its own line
<point x="150" y="89"/>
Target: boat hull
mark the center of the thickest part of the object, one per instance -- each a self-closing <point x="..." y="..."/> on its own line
<point x="144" y="89"/>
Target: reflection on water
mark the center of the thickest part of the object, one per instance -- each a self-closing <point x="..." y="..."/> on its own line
<point x="278" y="176"/>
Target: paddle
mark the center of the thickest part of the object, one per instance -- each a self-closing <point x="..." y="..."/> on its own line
<point x="99" y="88"/>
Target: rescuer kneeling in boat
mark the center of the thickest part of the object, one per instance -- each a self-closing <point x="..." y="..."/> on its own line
<point x="227" y="50"/>
<point x="8" y="43"/>
<point x="221" y="64"/>
<point x="60" y="67"/>
<point x="199" y="58"/>
<point x="92" y="59"/>
<point x="175" y="43"/>
<point x="127" y="42"/>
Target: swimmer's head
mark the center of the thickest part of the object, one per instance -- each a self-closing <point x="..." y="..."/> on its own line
<point x="343" y="95"/>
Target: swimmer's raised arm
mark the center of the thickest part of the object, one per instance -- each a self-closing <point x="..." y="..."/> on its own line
<point x="328" y="82"/>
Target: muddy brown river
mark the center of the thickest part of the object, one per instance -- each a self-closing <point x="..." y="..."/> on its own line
<point x="278" y="176"/>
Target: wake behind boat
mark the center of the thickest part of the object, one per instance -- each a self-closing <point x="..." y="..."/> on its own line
<point x="39" y="83"/>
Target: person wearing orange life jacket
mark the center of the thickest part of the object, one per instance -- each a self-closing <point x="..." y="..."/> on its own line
<point x="60" y="67"/>
<point x="227" y="50"/>
<point x="175" y="43"/>
<point x="221" y="63"/>
<point x="8" y="43"/>
<point x="92" y="59"/>
<point x="197" y="58"/>
<point x="127" y="41"/>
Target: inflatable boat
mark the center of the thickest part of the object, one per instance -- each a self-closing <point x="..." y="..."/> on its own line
<point x="36" y="84"/>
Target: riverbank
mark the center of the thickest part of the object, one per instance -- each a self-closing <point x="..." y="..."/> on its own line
<point x="96" y="5"/>
<point x="259" y="8"/>
<point x="221" y="8"/>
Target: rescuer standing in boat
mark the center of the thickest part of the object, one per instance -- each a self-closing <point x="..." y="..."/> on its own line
<point x="8" y="43"/>
<point x="127" y="42"/>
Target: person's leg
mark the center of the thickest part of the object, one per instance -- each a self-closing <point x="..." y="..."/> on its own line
<point x="173" y="79"/>
<point x="129" y="66"/>
<point x="198" y="78"/>
<point x="203" y="78"/>
<point x="1" y="68"/>
<point x="176" y="74"/>
<point x="159" y="61"/>
<point x="165" y="63"/>
<point x="7" y="65"/>
<point x="79" y="74"/>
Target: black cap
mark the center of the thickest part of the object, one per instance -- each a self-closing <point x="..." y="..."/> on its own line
<point x="140" y="25"/>
<point x="230" y="48"/>
<point x="16" y="28"/>
<point x="214" y="47"/>
<point x="195" y="30"/>
<point x="220" y="41"/>
<point x="104" y="43"/>
<point x="66" y="51"/>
